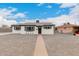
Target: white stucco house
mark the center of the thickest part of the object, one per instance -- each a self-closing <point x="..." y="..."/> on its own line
<point x="33" y="28"/>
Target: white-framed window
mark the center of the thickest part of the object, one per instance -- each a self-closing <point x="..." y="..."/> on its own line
<point x="29" y="28"/>
<point x="47" y="27"/>
<point x="17" y="27"/>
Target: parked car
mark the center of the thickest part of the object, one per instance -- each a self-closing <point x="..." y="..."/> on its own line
<point x="76" y="33"/>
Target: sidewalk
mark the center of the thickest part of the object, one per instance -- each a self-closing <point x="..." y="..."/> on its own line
<point x="40" y="49"/>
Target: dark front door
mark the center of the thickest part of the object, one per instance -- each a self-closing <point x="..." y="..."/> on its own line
<point x="39" y="30"/>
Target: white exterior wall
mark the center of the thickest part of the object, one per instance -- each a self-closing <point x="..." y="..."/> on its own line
<point x="48" y="31"/>
<point x="43" y="31"/>
<point x="22" y="31"/>
<point x="18" y="31"/>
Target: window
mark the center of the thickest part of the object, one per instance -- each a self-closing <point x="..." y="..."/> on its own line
<point x="47" y="27"/>
<point x="17" y="27"/>
<point x="29" y="28"/>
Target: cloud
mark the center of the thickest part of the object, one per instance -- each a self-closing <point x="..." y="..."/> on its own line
<point x="20" y="15"/>
<point x="6" y="11"/>
<point x="49" y="6"/>
<point x="74" y="14"/>
<point x="65" y="5"/>
<point x="6" y="22"/>
<point x="60" y="20"/>
<point x="72" y="17"/>
<point x="40" y="4"/>
<point x="9" y="16"/>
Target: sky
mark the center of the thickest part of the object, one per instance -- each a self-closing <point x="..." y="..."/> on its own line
<point x="57" y="13"/>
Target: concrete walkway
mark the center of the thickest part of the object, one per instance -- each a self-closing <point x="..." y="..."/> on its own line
<point x="40" y="49"/>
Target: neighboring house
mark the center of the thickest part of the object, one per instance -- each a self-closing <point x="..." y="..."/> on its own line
<point x="34" y="28"/>
<point x="5" y="28"/>
<point x="67" y="28"/>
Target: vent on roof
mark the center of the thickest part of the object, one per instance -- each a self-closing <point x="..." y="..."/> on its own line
<point x="37" y="21"/>
<point x="68" y="23"/>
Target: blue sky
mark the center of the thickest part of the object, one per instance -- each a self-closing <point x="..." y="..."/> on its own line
<point x="56" y="13"/>
<point x="36" y="10"/>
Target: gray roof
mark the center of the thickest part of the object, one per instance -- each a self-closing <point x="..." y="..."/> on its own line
<point x="34" y="24"/>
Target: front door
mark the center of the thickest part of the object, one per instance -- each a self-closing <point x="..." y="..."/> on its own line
<point x="39" y="30"/>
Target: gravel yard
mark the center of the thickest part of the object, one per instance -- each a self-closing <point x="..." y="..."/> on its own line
<point x="24" y="45"/>
<point x="17" y="44"/>
<point x="62" y="45"/>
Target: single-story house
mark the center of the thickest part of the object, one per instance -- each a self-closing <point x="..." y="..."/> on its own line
<point x="67" y="28"/>
<point x="34" y="28"/>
